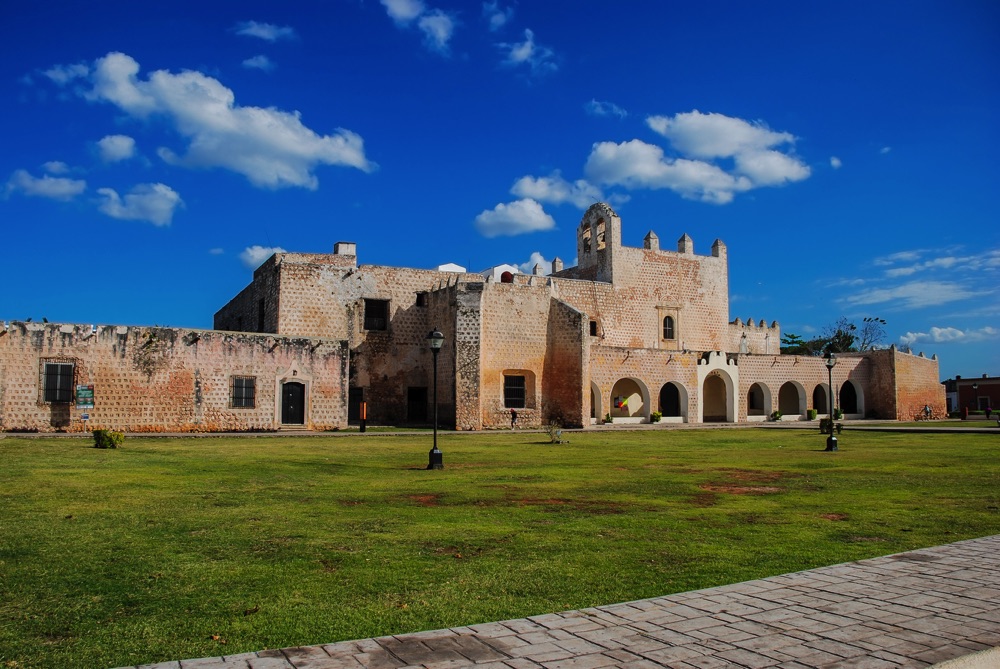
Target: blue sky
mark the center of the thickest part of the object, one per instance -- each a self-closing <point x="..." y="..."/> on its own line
<point x="151" y="154"/>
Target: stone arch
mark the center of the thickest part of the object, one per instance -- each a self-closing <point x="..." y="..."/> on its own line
<point x="821" y="398"/>
<point x="673" y="402"/>
<point x="596" y="403"/>
<point x="792" y="399"/>
<point x="852" y="398"/>
<point x="716" y="399"/>
<point x="759" y="400"/>
<point x="630" y="400"/>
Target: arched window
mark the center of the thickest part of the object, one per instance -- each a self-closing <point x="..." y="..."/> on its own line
<point x="506" y="277"/>
<point x="668" y="327"/>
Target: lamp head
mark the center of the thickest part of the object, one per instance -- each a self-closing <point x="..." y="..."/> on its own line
<point x="435" y="340"/>
<point x="831" y="359"/>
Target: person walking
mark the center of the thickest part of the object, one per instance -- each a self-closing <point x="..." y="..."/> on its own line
<point x="513" y="419"/>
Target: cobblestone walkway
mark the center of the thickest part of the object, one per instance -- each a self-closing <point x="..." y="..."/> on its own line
<point x="906" y="610"/>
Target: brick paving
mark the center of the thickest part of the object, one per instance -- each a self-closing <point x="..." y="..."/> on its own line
<point x="912" y="609"/>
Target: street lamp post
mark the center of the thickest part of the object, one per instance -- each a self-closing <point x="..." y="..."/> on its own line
<point x="435" y="340"/>
<point x="831" y="360"/>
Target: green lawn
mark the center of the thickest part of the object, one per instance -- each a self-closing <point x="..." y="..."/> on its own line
<point x="180" y="548"/>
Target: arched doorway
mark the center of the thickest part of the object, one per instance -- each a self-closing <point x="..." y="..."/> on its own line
<point x="670" y="400"/>
<point x="848" y="398"/>
<point x="293" y="405"/>
<point x="596" y="405"/>
<point x="758" y="400"/>
<point x="791" y="399"/>
<point x="715" y="405"/>
<point x="821" y="399"/>
<point x="630" y="401"/>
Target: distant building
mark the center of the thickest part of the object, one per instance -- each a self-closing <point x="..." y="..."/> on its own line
<point x="972" y="394"/>
<point x="625" y="333"/>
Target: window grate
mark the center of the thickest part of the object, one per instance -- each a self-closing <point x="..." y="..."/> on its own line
<point x="58" y="382"/>
<point x="513" y="392"/>
<point x="243" y="392"/>
<point x="376" y="314"/>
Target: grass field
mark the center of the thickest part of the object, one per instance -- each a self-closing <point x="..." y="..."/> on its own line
<point x="180" y="548"/>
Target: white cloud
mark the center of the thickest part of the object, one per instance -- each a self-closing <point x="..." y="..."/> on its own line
<point x="536" y="259"/>
<point x="154" y="203"/>
<point x="216" y="251"/>
<point x="496" y="16"/>
<point x="950" y="335"/>
<point x="437" y="28"/>
<point x="902" y="256"/>
<point x="270" y="147"/>
<point x="719" y="156"/>
<point x="403" y="11"/>
<point x="514" y="218"/>
<point x="55" y="167"/>
<point x="556" y="190"/>
<point x="751" y="145"/>
<point x="835" y="162"/>
<point x="436" y="25"/>
<point x="540" y="59"/>
<point x="602" y="108"/>
<point x="636" y="164"/>
<point x="912" y="295"/>
<point x="54" y="188"/>
<point x="63" y="74"/>
<point x="986" y="260"/>
<point x="114" y="148"/>
<point x="265" y="31"/>
<point x="253" y="256"/>
<point x="259" y="63"/>
<point x="885" y="149"/>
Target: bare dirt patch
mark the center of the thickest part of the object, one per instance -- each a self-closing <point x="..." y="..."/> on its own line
<point x="834" y="516"/>
<point x="425" y="500"/>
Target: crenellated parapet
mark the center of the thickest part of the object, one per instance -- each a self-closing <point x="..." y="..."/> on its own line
<point x="754" y="337"/>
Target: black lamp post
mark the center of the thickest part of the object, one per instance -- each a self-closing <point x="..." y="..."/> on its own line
<point x="974" y="405"/>
<point x="435" y="340"/>
<point x="831" y="360"/>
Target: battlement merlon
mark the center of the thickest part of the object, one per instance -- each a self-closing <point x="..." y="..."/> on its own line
<point x="755" y="337"/>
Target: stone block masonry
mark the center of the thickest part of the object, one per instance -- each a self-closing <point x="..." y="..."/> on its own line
<point x="150" y="379"/>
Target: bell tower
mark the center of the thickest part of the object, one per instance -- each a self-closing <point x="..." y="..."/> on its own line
<point x="597" y="240"/>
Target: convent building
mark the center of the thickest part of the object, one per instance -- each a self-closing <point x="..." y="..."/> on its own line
<point x="315" y="339"/>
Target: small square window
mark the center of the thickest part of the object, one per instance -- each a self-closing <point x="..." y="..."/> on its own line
<point x="58" y="382"/>
<point x="421" y="299"/>
<point x="513" y="392"/>
<point x="243" y="392"/>
<point x="376" y="314"/>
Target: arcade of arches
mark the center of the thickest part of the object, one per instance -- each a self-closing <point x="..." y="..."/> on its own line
<point x="630" y="399"/>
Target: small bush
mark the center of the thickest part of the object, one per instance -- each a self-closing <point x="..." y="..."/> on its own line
<point x="838" y="413"/>
<point x="811" y="413"/>
<point x="108" y="439"/>
<point x="655" y="417"/>
<point x="775" y="415"/>
<point x="607" y="418"/>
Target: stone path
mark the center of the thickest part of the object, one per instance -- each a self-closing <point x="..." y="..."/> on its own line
<point x="906" y="610"/>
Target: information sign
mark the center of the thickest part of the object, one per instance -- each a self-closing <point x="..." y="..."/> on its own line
<point x="85" y="397"/>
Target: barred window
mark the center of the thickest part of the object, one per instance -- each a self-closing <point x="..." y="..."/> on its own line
<point x="58" y="382"/>
<point x="513" y="392"/>
<point x="668" y="327"/>
<point x="376" y="314"/>
<point x="243" y="392"/>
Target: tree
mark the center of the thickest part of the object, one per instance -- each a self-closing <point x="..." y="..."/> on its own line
<point x="872" y="333"/>
<point x="841" y="336"/>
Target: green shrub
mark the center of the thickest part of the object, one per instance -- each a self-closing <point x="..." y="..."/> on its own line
<point x="108" y="439"/>
<point x="655" y="417"/>
<point x="838" y="413"/>
<point x="775" y="415"/>
<point x="607" y="418"/>
<point x="811" y="413"/>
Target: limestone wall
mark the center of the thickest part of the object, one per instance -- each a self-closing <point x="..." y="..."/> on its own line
<point x="149" y="379"/>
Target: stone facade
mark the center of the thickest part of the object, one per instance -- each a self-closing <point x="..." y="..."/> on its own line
<point x="166" y="380"/>
<point x="625" y="333"/>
